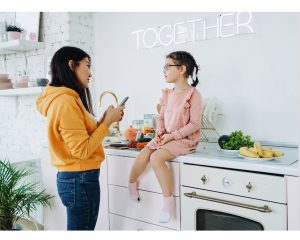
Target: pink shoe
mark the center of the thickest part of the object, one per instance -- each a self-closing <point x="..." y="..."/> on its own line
<point x="167" y="209"/>
<point x="133" y="191"/>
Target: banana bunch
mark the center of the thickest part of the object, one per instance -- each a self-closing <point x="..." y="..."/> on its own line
<point x="257" y="151"/>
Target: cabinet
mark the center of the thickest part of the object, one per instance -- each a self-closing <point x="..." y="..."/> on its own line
<point x="119" y="212"/>
<point x="125" y="223"/>
<point x="293" y="200"/>
<point x="127" y="214"/>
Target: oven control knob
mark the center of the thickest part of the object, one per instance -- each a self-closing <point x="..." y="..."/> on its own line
<point x="249" y="186"/>
<point x="226" y="182"/>
<point x="204" y="179"/>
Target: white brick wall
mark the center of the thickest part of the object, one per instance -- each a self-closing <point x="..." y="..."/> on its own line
<point x="22" y="128"/>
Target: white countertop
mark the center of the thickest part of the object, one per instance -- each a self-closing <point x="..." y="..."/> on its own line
<point x="286" y="165"/>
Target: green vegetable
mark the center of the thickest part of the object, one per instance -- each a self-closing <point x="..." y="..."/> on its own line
<point x="238" y="140"/>
<point x="222" y="140"/>
<point x="144" y="140"/>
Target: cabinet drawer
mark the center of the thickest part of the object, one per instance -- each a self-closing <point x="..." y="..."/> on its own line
<point x="262" y="186"/>
<point x="119" y="169"/>
<point x="146" y="210"/>
<point x="123" y="223"/>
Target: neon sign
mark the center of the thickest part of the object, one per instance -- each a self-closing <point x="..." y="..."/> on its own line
<point x="222" y="26"/>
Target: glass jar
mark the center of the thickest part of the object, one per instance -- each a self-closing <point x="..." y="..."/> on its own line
<point x="138" y="124"/>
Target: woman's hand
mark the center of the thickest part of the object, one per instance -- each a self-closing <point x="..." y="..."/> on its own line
<point x="166" y="138"/>
<point x="112" y="115"/>
<point x="101" y="119"/>
<point x="122" y="114"/>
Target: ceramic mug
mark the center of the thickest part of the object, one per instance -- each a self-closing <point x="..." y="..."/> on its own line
<point x="42" y="82"/>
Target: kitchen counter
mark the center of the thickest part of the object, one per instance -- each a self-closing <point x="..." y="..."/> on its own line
<point x="211" y="156"/>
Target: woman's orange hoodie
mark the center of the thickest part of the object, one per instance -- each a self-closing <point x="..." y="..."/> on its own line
<point x="75" y="141"/>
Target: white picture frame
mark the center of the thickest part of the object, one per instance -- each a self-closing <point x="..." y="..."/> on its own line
<point x="29" y="21"/>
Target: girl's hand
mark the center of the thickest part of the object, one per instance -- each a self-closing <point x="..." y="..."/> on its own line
<point x="157" y="138"/>
<point x="159" y="134"/>
<point x="166" y="138"/>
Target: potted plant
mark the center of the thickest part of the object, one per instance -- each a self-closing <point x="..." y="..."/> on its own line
<point x="14" y="32"/>
<point x="17" y="199"/>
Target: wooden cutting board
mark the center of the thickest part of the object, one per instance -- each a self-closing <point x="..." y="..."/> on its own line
<point x="120" y="148"/>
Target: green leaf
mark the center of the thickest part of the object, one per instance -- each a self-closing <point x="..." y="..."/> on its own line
<point x="17" y="199"/>
<point x="238" y="140"/>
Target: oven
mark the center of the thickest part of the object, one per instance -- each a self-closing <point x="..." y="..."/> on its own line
<point x="225" y="199"/>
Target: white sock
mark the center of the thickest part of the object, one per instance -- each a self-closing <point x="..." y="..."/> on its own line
<point x="133" y="191"/>
<point x="167" y="209"/>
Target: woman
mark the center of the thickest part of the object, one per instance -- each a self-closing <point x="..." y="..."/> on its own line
<point x="74" y="136"/>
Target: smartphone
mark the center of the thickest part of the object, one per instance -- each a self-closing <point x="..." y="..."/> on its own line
<point x="123" y="102"/>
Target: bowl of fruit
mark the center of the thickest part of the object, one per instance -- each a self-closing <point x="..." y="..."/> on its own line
<point x="257" y="152"/>
<point x="140" y="143"/>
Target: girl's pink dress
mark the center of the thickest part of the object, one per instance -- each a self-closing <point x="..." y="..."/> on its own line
<point x="180" y="115"/>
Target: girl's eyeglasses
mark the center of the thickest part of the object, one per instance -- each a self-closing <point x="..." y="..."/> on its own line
<point x="167" y="66"/>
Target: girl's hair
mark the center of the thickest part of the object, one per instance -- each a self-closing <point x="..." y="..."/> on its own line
<point x="62" y="74"/>
<point x="186" y="59"/>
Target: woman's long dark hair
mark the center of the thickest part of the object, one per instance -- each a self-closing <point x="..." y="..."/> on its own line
<point x="186" y="59"/>
<point x="62" y="74"/>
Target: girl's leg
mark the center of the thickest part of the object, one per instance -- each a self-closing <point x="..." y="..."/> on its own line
<point x="140" y="164"/>
<point x="137" y="169"/>
<point x="164" y="176"/>
<point x="163" y="173"/>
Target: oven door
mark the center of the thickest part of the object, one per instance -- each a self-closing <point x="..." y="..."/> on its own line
<point x="207" y="210"/>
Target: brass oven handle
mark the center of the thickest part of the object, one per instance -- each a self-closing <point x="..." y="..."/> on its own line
<point x="264" y="209"/>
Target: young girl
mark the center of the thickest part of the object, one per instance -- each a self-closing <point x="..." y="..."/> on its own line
<point x="178" y="128"/>
<point x="74" y="135"/>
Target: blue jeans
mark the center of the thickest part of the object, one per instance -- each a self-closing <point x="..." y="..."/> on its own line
<point x="80" y="194"/>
